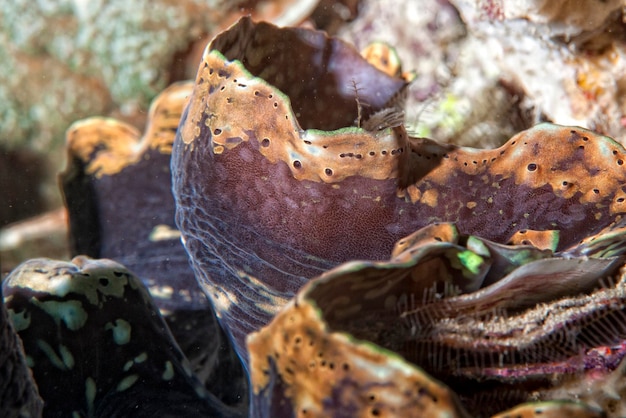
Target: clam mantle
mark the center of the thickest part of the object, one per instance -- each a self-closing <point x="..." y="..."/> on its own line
<point x="275" y="182"/>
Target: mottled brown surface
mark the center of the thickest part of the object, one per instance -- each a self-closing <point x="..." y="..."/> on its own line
<point x="264" y="204"/>
<point x="118" y="191"/>
<point x="90" y="327"/>
<point x="271" y="196"/>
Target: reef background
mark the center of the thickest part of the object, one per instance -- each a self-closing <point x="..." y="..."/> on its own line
<point x="485" y="69"/>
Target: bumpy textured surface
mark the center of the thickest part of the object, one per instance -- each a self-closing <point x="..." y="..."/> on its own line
<point x="240" y="197"/>
<point x="92" y="57"/>
<point x="465" y="310"/>
<point x="266" y="200"/>
<point x="300" y="368"/>
<point x="569" y="17"/>
<point x="547" y="177"/>
<point x="457" y="96"/>
<point x="551" y="410"/>
<point x="97" y="345"/>
<point x="290" y="159"/>
<point x="117" y="189"/>
<point x="584" y="39"/>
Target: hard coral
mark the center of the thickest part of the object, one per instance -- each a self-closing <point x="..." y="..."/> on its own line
<point x="568" y="17"/>
<point x="90" y="327"/>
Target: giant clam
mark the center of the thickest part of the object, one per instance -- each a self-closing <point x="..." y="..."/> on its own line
<point x="92" y="332"/>
<point x="111" y="162"/>
<point x="483" y="278"/>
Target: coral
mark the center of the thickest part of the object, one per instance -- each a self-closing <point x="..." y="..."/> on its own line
<point x="33" y="119"/>
<point x="478" y="79"/>
<point x="568" y="17"/>
<point x="65" y="60"/>
<point x="91" y="56"/>
<point x="457" y="95"/>
<point x="580" y="48"/>
<point x="18" y="392"/>
<point x="600" y="389"/>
